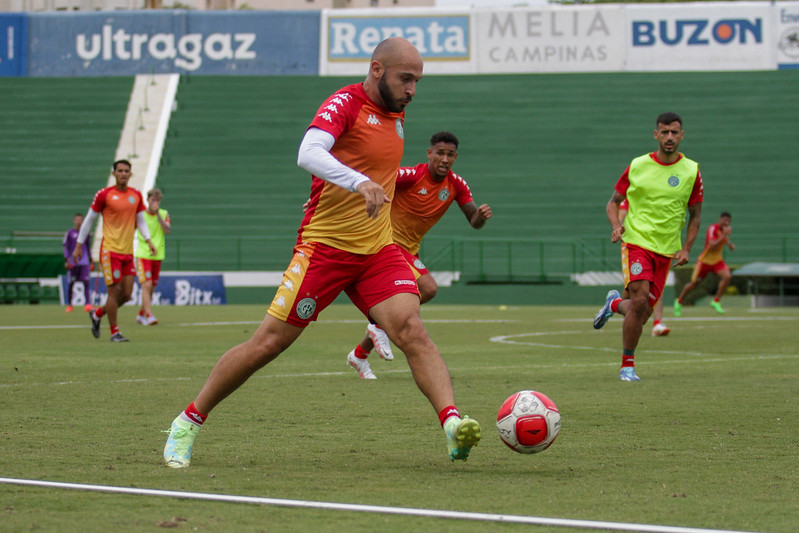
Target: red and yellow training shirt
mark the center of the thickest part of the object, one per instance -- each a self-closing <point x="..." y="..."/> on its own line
<point x="712" y="254"/>
<point x="420" y="202"/>
<point x="119" y="217"/>
<point x="369" y="139"/>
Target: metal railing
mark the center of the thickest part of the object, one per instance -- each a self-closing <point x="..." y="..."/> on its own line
<point x="479" y="260"/>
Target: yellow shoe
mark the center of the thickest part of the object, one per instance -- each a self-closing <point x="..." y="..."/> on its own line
<point x="462" y="435"/>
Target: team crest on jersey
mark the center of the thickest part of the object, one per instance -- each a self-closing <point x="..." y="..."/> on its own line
<point x="674" y="181"/>
<point x="400" y="129"/>
<point x="635" y="269"/>
<point x="444" y="194"/>
<point x="306" y="308"/>
<point x="418" y="265"/>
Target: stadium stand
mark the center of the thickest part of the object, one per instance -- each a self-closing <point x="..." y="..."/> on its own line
<point x="543" y="150"/>
<point x="60" y="137"/>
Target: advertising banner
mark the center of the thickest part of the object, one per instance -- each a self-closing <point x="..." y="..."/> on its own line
<point x="143" y="42"/>
<point x="787" y="33"/>
<point x="729" y="36"/>
<point x="348" y="37"/>
<point x="551" y="39"/>
<point x="174" y="288"/>
<point x="13" y="44"/>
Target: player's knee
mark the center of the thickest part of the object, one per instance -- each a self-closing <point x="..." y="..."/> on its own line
<point x="428" y="293"/>
<point x="408" y="332"/>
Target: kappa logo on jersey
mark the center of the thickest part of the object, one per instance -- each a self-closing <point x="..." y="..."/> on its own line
<point x="289" y="284"/>
<point x="444" y="194"/>
<point x="636" y="268"/>
<point x="296" y="269"/>
<point x="280" y="301"/>
<point x="333" y="105"/>
<point x="423" y="191"/>
<point x="373" y="120"/>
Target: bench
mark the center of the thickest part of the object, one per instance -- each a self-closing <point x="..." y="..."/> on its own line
<point x="771" y="284"/>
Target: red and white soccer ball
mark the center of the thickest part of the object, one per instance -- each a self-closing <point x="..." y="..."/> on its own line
<point x="528" y="422"/>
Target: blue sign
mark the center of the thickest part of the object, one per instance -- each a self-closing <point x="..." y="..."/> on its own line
<point x="124" y="44"/>
<point x="442" y="37"/>
<point x="13" y="44"/>
<point x="172" y="289"/>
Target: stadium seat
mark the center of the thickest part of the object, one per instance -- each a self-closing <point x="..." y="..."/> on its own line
<point x="11" y="293"/>
<point x="36" y="293"/>
<point x="24" y="292"/>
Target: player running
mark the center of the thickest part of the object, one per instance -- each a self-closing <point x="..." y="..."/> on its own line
<point x="711" y="260"/>
<point x="423" y="195"/>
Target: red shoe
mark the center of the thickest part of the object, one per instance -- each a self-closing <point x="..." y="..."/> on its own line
<point x="88" y="307"/>
<point x="69" y="309"/>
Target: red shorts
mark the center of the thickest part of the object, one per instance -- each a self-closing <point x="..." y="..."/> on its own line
<point x="148" y="270"/>
<point x="416" y="264"/>
<point x="318" y="273"/>
<point x="640" y="264"/>
<point x="701" y="270"/>
<point x="116" y="266"/>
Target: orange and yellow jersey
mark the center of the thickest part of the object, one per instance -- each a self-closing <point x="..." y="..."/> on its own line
<point x="420" y="202"/>
<point x="119" y="210"/>
<point x="369" y="139"/>
<point x="713" y="254"/>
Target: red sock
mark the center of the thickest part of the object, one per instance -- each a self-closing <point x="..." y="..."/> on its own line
<point x="627" y="358"/>
<point x="717" y="300"/>
<point x="114" y="329"/>
<point x="99" y="312"/>
<point x="141" y="312"/>
<point x="194" y="415"/>
<point x="656" y="322"/>
<point x="446" y="413"/>
<point x="614" y="305"/>
<point x="360" y="353"/>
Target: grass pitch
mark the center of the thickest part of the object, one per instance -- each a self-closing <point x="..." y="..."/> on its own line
<point x="707" y="439"/>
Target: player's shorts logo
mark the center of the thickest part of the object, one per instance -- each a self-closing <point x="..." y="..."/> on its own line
<point x="400" y="129"/>
<point x="444" y="194"/>
<point x="635" y="269"/>
<point x="674" y="181"/>
<point x="306" y="308"/>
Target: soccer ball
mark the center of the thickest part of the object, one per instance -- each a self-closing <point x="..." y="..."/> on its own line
<point x="528" y="422"/>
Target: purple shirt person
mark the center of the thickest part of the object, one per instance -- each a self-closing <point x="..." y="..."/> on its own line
<point x="79" y="272"/>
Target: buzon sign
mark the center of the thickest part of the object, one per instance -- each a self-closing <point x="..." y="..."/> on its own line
<point x="697" y="32"/>
<point x="355" y="38"/>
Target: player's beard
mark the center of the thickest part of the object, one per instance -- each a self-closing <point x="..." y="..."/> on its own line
<point x="389" y="101"/>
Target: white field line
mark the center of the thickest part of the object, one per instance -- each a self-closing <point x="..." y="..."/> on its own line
<point x="257" y="322"/>
<point x="406" y="511"/>
<point x="515" y="339"/>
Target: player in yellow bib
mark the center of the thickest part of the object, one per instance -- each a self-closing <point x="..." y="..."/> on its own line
<point x="148" y="265"/>
<point x="658" y="187"/>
